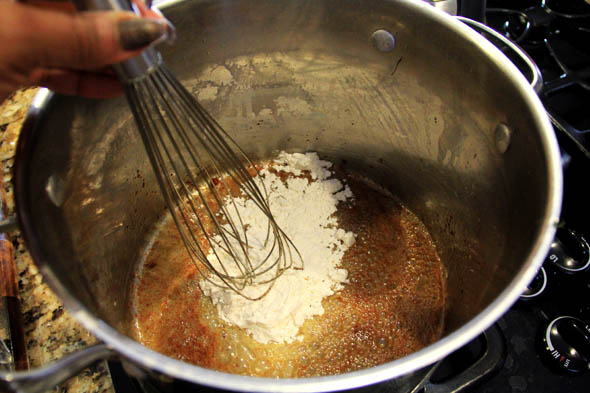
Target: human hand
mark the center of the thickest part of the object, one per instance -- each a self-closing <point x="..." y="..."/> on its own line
<point x="69" y="52"/>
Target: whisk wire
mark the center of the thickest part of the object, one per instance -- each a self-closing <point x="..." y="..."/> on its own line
<point x="226" y="245"/>
<point x="186" y="199"/>
<point x="194" y="159"/>
<point x="147" y="132"/>
<point x="209" y="123"/>
<point x="216" y="132"/>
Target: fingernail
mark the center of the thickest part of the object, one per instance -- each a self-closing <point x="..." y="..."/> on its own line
<point x="137" y="33"/>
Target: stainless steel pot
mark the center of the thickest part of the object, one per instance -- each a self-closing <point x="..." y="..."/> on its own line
<point x="400" y="92"/>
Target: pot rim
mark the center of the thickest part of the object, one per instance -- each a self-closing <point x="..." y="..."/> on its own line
<point x="137" y="353"/>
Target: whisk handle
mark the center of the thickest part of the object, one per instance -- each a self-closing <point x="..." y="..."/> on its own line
<point x="138" y="67"/>
<point x="133" y="69"/>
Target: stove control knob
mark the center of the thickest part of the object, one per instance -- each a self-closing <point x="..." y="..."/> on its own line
<point x="535" y="287"/>
<point x="569" y="252"/>
<point x="567" y="344"/>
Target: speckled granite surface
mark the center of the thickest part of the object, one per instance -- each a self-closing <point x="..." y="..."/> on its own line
<point x="50" y="331"/>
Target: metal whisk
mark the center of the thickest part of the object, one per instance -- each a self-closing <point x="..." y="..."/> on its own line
<point x="202" y="173"/>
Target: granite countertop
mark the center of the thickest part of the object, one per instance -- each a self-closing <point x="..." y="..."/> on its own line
<point x="50" y="331"/>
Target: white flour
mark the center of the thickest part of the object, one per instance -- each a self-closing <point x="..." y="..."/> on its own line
<point x="304" y="211"/>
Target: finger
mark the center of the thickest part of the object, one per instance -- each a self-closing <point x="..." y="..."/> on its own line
<point x="83" y="83"/>
<point x="107" y="70"/>
<point x="56" y="5"/>
<point x="82" y="41"/>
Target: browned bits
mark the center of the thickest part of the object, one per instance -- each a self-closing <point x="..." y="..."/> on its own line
<point x="392" y="306"/>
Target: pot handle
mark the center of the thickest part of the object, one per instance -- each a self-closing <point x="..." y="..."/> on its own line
<point x="537" y="80"/>
<point x="486" y="366"/>
<point x="45" y="378"/>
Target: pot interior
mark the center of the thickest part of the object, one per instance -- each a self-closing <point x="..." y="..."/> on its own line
<point x="423" y="120"/>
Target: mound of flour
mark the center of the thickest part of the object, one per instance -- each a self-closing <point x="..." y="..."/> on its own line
<point x="304" y="210"/>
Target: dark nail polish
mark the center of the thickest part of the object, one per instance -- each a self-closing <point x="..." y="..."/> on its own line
<point x="137" y="33"/>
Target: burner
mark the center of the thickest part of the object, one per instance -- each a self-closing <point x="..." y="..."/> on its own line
<point x="569" y="46"/>
<point x="513" y="24"/>
<point x="556" y="35"/>
<point x="570" y="103"/>
<point x="571" y="9"/>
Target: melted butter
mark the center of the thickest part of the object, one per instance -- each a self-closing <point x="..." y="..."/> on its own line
<point x="392" y="306"/>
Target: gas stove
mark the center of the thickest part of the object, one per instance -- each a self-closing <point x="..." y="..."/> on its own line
<point x="542" y="344"/>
